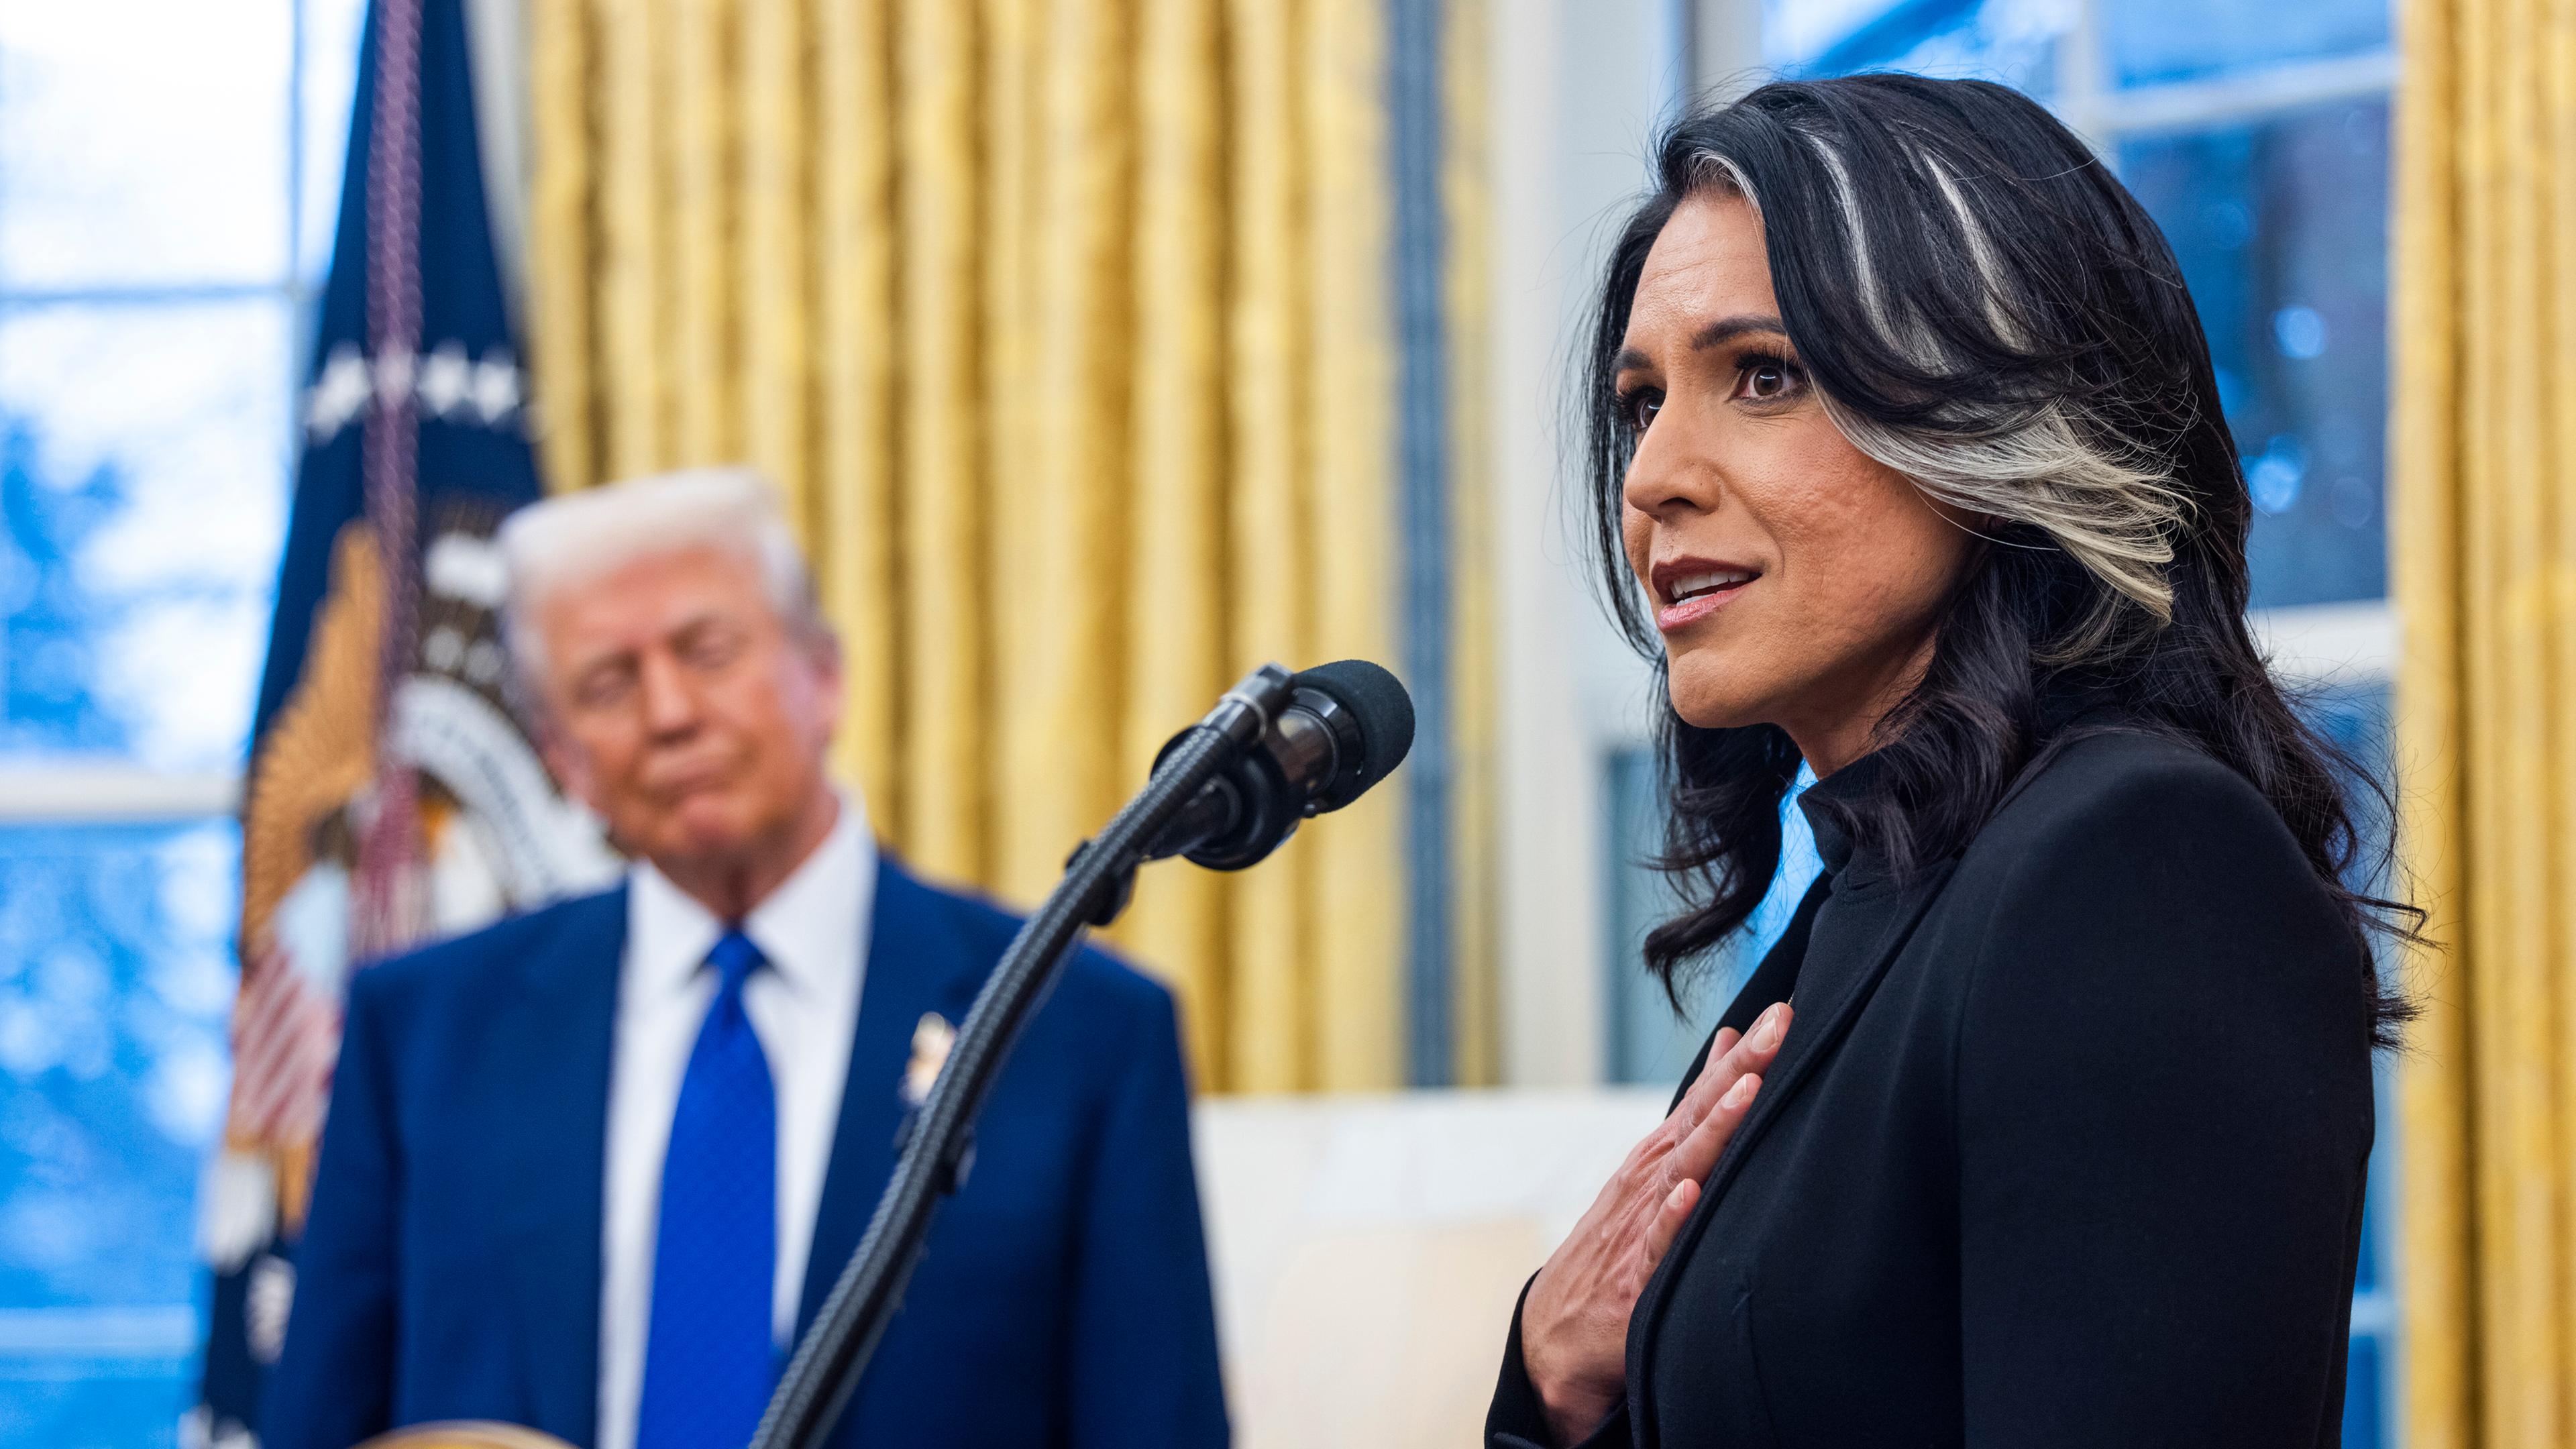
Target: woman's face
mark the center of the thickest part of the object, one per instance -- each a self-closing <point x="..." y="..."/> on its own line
<point x="1795" y="580"/>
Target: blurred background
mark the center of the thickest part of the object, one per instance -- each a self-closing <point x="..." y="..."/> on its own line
<point x="1221" y="331"/>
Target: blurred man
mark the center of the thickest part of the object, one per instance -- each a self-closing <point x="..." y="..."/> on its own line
<point x="594" y="1169"/>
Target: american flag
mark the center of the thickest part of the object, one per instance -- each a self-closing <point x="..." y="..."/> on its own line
<point x="393" y="794"/>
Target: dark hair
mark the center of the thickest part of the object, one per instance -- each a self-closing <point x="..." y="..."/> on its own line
<point x="1983" y="307"/>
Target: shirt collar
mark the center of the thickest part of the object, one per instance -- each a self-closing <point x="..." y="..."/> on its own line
<point x="2064" y="704"/>
<point x="813" y="923"/>
<point x="1826" y="802"/>
<point x="811" y="927"/>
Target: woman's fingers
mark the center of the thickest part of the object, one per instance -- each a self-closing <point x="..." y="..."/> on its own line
<point x="1697" y="1155"/>
<point x="1713" y="1079"/>
<point x="1719" y="1049"/>
<point x="1692" y="1162"/>
<point x="1669" y="1217"/>
<point x="1729" y="1058"/>
<point x="1755" y="1052"/>
<point x="1574" y="1320"/>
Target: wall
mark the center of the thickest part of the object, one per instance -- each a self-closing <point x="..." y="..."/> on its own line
<point x="1577" y="87"/>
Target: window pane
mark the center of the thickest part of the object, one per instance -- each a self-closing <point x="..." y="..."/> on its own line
<point x="2362" y="1392"/>
<point x="2282" y="229"/>
<point x="116" y="975"/>
<point x="2016" y="41"/>
<point x="142" y="480"/>
<point x="2356" y="717"/>
<point x="143" y="141"/>
<point x="2187" y="39"/>
<point x="2011" y="41"/>
<point x="332" y="31"/>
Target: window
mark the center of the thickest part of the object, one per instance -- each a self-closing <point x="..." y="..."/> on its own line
<point x="165" y="221"/>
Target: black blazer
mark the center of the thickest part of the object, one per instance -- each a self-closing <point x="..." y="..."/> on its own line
<point x="2066" y="1145"/>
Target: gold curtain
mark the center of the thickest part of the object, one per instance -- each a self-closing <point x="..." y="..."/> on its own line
<point x="2484" y="556"/>
<point x="1065" y="328"/>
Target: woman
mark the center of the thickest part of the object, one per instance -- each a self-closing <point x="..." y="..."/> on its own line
<point x="2047" y="1122"/>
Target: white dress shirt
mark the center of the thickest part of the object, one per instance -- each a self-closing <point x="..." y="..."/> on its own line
<point x="803" y="1006"/>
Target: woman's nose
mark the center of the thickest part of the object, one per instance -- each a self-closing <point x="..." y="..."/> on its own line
<point x="1661" y="480"/>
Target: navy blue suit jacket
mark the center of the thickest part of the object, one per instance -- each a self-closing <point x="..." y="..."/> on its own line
<point x="451" y="1265"/>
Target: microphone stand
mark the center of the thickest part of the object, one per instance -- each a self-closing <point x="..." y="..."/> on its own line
<point x="940" y="1149"/>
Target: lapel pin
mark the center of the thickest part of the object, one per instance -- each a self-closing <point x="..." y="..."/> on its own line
<point x="931" y="1039"/>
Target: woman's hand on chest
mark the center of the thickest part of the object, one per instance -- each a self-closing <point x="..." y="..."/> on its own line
<point x="1574" y="1324"/>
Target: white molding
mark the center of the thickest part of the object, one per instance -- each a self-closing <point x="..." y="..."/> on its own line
<point x="1672" y="62"/>
<point x="496" y="45"/>
<point x="2083" y="78"/>
<point x="2182" y="105"/>
<point x="84" y="793"/>
<point x="1567" y="106"/>
<point x="2344" y="644"/>
<point x="1726" y="47"/>
<point x="1548" y="962"/>
<point x="1430" y="1207"/>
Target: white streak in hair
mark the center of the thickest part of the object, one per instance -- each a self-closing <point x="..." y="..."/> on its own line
<point x="1981" y="253"/>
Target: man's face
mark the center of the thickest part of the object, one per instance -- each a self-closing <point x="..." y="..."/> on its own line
<point x="683" y="709"/>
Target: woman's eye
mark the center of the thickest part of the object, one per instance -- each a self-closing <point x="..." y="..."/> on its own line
<point x="1643" y="405"/>
<point x="1769" y="379"/>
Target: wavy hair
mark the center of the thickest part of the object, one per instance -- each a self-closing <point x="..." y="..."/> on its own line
<point x="1986" y="310"/>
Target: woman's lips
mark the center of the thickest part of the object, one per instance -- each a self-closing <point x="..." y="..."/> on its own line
<point x="1689" y="588"/>
<point x="1699" y="606"/>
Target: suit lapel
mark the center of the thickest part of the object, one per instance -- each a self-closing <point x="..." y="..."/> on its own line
<point x="552" y="1247"/>
<point x="1828" y="1002"/>
<point x="918" y="962"/>
<point x="1771" y="982"/>
<point x="1828" y="995"/>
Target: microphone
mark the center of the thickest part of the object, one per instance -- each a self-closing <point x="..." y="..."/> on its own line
<point x="1277" y="748"/>
<point x="1345" y="727"/>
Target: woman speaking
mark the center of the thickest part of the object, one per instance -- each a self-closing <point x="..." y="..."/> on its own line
<point x="2047" y="1122"/>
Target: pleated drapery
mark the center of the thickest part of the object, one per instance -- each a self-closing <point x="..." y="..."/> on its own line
<point x="2483" y="552"/>
<point x="1064" y="327"/>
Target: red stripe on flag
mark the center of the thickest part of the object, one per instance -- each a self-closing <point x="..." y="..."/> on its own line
<point x="286" y="1042"/>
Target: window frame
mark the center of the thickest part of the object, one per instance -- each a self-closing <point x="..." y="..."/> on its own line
<point x="105" y="789"/>
<point x="2344" y="644"/>
<point x="84" y="790"/>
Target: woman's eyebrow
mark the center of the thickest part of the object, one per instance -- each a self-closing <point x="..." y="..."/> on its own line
<point x="1715" y="334"/>
<point x="1727" y="329"/>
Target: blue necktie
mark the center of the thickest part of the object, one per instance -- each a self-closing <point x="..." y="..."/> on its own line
<point x="708" y="1358"/>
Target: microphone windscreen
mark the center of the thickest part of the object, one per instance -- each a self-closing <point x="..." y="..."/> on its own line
<point x="1377" y="700"/>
